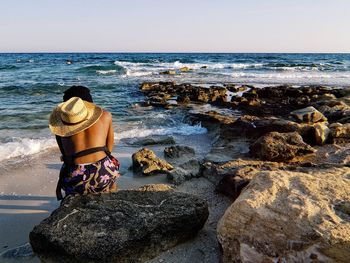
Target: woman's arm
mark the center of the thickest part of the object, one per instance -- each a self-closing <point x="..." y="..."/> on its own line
<point x="59" y="142"/>
<point x="110" y="135"/>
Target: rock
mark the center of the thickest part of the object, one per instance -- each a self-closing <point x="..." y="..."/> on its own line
<point x="285" y="216"/>
<point x="157" y="86"/>
<point x="148" y="163"/>
<point x="186" y="171"/>
<point x="150" y="140"/>
<point x="183" y="99"/>
<point x="308" y="115"/>
<point x="202" y="95"/>
<point x="202" y="67"/>
<point x="126" y="226"/>
<point x="168" y="72"/>
<point x="232" y="184"/>
<point x="339" y="130"/>
<point x="155" y="187"/>
<point x="217" y="94"/>
<point x="178" y="151"/>
<point x="184" y="69"/>
<point x="158" y="101"/>
<point x="253" y="126"/>
<point x="280" y="147"/>
<point x="321" y="133"/>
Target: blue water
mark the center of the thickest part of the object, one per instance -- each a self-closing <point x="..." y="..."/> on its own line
<point x="32" y="84"/>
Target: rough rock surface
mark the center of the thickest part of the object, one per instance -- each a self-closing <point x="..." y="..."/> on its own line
<point x="309" y="115"/>
<point x="186" y="171"/>
<point x="339" y="130"/>
<point x="148" y="163"/>
<point x="127" y="226"/>
<point x="178" y="151"/>
<point x="290" y="216"/>
<point x="280" y="147"/>
<point x="321" y="133"/>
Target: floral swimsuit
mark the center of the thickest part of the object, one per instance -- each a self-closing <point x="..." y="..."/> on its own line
<point x="92" y="178"/>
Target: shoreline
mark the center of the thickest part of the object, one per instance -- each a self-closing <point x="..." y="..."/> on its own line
<point x="224" y="144"/>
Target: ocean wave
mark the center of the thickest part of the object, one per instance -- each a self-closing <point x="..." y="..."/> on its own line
<point x="8" y="67"/>
<point x="106" y="72"/>
<point x="182" y="129"/>
<point x="103" y="70"/>
<point x="298" y="75"/>
<point x="24" y="147"/>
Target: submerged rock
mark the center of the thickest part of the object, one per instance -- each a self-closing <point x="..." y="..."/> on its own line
<point x="127" y="226"/>
<point x="184" y="69"/>
<point x="168" y="72"/>
<point x="148" y="163"/>
<point x="150" y="140"/>
<point x="285" y="216"/>
<point x="280" y="147"/>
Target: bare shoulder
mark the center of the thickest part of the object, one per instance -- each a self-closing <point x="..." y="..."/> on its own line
<point x="106" y="116"/>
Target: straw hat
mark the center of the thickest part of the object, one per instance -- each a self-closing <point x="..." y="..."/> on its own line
<point x="73" y="116"/>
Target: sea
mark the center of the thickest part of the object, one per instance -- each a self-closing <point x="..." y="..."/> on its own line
<point x="32" y="84"/>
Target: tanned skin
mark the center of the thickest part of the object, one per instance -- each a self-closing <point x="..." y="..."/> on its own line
<point x="99" y="134"/>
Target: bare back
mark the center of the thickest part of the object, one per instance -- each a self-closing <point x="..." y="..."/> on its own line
<point x="99" y="134"/>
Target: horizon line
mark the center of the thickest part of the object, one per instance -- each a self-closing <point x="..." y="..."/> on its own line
<point x="166" y="52"/>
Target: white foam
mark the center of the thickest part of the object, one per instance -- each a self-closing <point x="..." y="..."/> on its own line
<point x="183" y="129"/>
<point x="24" y="146"/>
<point x="105" y="72"/>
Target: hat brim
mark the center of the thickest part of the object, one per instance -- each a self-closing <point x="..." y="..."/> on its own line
<point x="58" y="127"/>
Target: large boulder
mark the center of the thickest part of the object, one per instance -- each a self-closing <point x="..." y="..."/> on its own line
<point x="280" y="147"/>
<point x="289" y="216"/>
<point x="127" y="226"/>
<point x="148" y="163"/>
<point x="308" y="115"/>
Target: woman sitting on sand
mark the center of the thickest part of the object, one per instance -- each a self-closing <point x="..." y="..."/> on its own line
<point x="85" y="136"/>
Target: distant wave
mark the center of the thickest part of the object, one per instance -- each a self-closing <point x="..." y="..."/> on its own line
<point x="8" y="67"/>
<point x="291" y="76"/>
<point x="24" y="147"/>
<point x="182" y="129"/>
<point x="103" y="70"/>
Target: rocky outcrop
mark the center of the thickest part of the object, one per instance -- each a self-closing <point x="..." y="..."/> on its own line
<point x="280" y="147"/>
<point x="178" y="151"/>
<point x="186" y="171"/>
<point x="308" y="115"/>
<point x="148" y="163"/>
<point x="127" y="226"/>
<point x="289" y="216"/>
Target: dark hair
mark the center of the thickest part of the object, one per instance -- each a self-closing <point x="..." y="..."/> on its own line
<point x="78" y="91"/>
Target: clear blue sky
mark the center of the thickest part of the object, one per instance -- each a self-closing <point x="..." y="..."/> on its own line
<point x="175" y="25"/>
